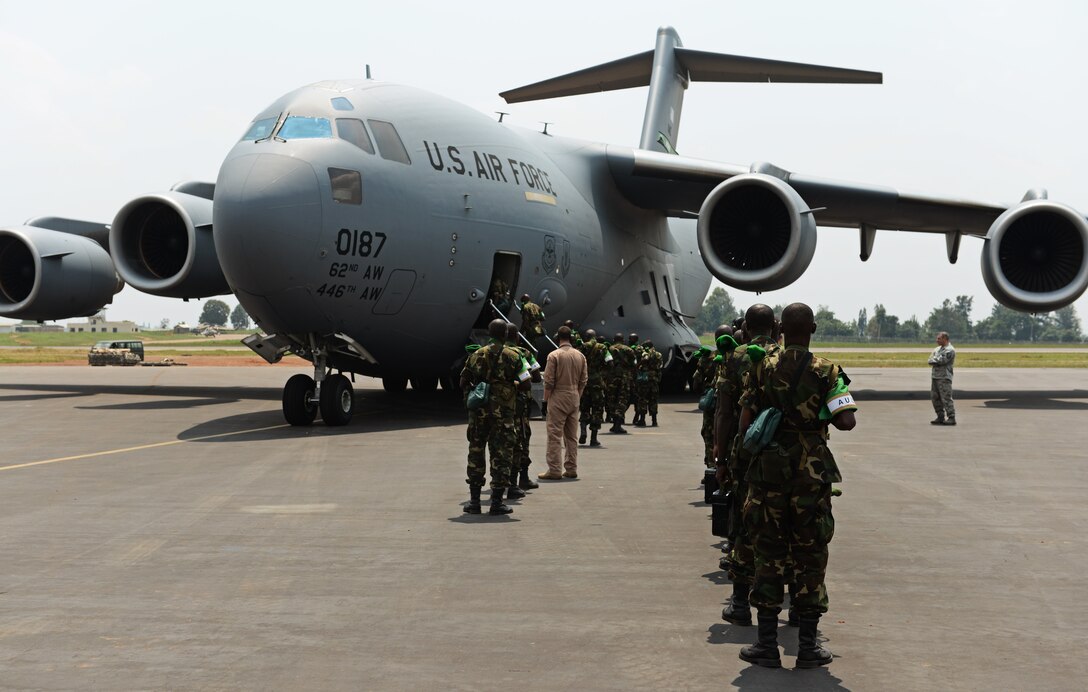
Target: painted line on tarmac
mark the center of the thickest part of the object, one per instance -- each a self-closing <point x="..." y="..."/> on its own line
<point x="138" y="448"/>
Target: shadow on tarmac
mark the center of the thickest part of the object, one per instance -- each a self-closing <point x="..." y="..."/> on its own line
<point x="1038" y="403"/>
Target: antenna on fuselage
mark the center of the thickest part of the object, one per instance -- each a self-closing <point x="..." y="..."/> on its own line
<point x="368" y="71"/>
<point x="501" y="114"/>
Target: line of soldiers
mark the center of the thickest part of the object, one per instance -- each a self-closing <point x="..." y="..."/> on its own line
<point x="619" y="373"/>
<point x="780" y="494"/>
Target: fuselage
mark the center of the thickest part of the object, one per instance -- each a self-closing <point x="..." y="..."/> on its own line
<point x="386" y="214"/>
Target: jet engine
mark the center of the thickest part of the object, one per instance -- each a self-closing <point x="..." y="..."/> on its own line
<point x="49" y="275"/>
<point x="162" y="244"/>
<point x="756" y="233"/>
<point x="1036" y="256"/>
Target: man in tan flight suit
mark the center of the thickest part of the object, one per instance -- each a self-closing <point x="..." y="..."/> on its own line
<point x="565" y="378"/>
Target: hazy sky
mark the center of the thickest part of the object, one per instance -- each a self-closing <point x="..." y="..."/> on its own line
<point x="108" y="100"/>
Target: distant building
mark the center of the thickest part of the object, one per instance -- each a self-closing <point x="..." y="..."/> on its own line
<point x="32" y="327"/>
<point x="100" y="325"/>
<point x="182" y="328"/>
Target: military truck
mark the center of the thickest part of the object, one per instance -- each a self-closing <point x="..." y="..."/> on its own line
<point x="116" y="353"/>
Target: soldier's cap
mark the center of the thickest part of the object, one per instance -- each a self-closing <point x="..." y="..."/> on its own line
<point x="472" y="348"/>
<point x="703" y="352"/>
<point x="647" y="342"/>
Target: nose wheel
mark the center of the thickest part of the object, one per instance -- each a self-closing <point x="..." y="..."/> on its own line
<point x="304" y="396"/>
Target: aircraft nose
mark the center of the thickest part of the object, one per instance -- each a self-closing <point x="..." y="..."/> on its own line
<point x="266" y="218"/>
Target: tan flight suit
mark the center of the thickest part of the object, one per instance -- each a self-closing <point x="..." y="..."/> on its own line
<point x="565" y="378"/>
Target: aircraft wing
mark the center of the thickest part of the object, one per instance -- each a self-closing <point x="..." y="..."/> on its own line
<point x="679" y="185"/>
<point x="757" y="225"/>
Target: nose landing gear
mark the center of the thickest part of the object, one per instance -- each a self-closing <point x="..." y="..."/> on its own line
<point x="332" y="394"/>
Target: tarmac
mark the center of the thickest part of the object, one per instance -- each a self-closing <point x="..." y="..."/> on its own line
<point x="162" y="528"/>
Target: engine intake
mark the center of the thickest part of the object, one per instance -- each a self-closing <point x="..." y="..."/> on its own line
<point x="756" y="233"/>
<point x="1036" y="257"/>
<point x="162" y="244"/>
<point x="49" y="275"/>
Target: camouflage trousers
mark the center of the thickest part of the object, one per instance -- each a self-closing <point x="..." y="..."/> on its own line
<point x="940" y="393"/>
<point x="591" y="407"/>
<point x="524" y="434"/>
<point x="707" y="433"/>
<point x="619" y="390"/>
<point x="496" y="433"/>
<point x="789" y="526"/>
<point x="742" y="559"/>
<point x="646" y="398"/>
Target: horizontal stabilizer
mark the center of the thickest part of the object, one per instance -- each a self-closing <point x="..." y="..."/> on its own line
<point x="717" y="67"/>
<point x="700" y="66"/>
<point x="625" y="73"/>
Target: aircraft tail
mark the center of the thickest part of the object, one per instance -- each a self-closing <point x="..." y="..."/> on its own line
<point x="668" y="69"/>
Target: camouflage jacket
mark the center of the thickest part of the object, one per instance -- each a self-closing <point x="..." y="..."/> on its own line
<point x="731" y="380"/>
<point x="704" y="374"/>
<point x="799" y="450"/>
<point x="650" y="363"/>
<point x="503" y="368"/>
<point x="531" y="318"/>
<point x="625" y="359"/>
<point x="598" y="359"/>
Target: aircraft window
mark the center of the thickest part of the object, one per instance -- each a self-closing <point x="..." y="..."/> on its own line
<point x="342" y="104"/>
<point x="389" y="144"/>
<point x="353" y="131"/>
<point x="347" y="186"/>
<point x="259" y="129"/>
<point x="304" y="127"/>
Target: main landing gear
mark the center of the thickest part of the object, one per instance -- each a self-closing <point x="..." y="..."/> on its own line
<point x="304" y="396"/>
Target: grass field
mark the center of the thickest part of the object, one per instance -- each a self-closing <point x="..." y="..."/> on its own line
<point x="87" y="339"/>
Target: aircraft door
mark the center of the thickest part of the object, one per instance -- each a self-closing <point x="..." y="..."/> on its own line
<point x="501" y="288"/>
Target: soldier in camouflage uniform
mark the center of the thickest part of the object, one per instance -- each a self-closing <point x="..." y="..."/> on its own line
<point x="492" y="425"/>
<point x="519" y="474"/>
<point x="619" y="387"/>
<point x="632" y="393"/>
<point x="648" y="381"/>
<point x="500" y="295"/>
<point x="532" y="320"/>
<point x="788" y="509"/>
<point x="708" y="372"/>
<point x="592" y="405"/>
<point x="732" y="460"/>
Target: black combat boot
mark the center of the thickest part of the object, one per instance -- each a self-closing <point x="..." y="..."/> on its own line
<point x="582" y="437"/>
<point x="617" y="426"/>
<point x="739" y="611"/>
<point x="526" y="483"/>
<point x="497" y="507"/>
<point x="593" y="441"/>
<point x="473" y="506"/>
<point x="765" y="651"/>
<point x="640" y="420"/>
<point x="653" y="418"/>
<point x="939" y="420"/>
<point x="809" y="652"/>
<point x="514" y="492"/>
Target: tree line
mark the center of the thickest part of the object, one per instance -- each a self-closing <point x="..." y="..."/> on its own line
<point x="953" y="315"/>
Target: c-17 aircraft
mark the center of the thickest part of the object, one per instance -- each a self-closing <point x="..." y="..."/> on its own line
<point x="363" y="226"/>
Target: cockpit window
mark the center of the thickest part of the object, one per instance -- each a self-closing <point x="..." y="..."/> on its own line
<point x="342" y="104"/>
<point x="259" y="129"/>
<point x="352" y="130"/>
<point x="389" y="144"/>
<point x="304" y="127"/>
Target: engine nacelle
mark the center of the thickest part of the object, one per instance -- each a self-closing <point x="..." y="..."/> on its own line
<point x="1036" y="256"/>
<point x="162" y="244"/>
<point x="49" y="275"/>
<point x="756" y="233"/>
